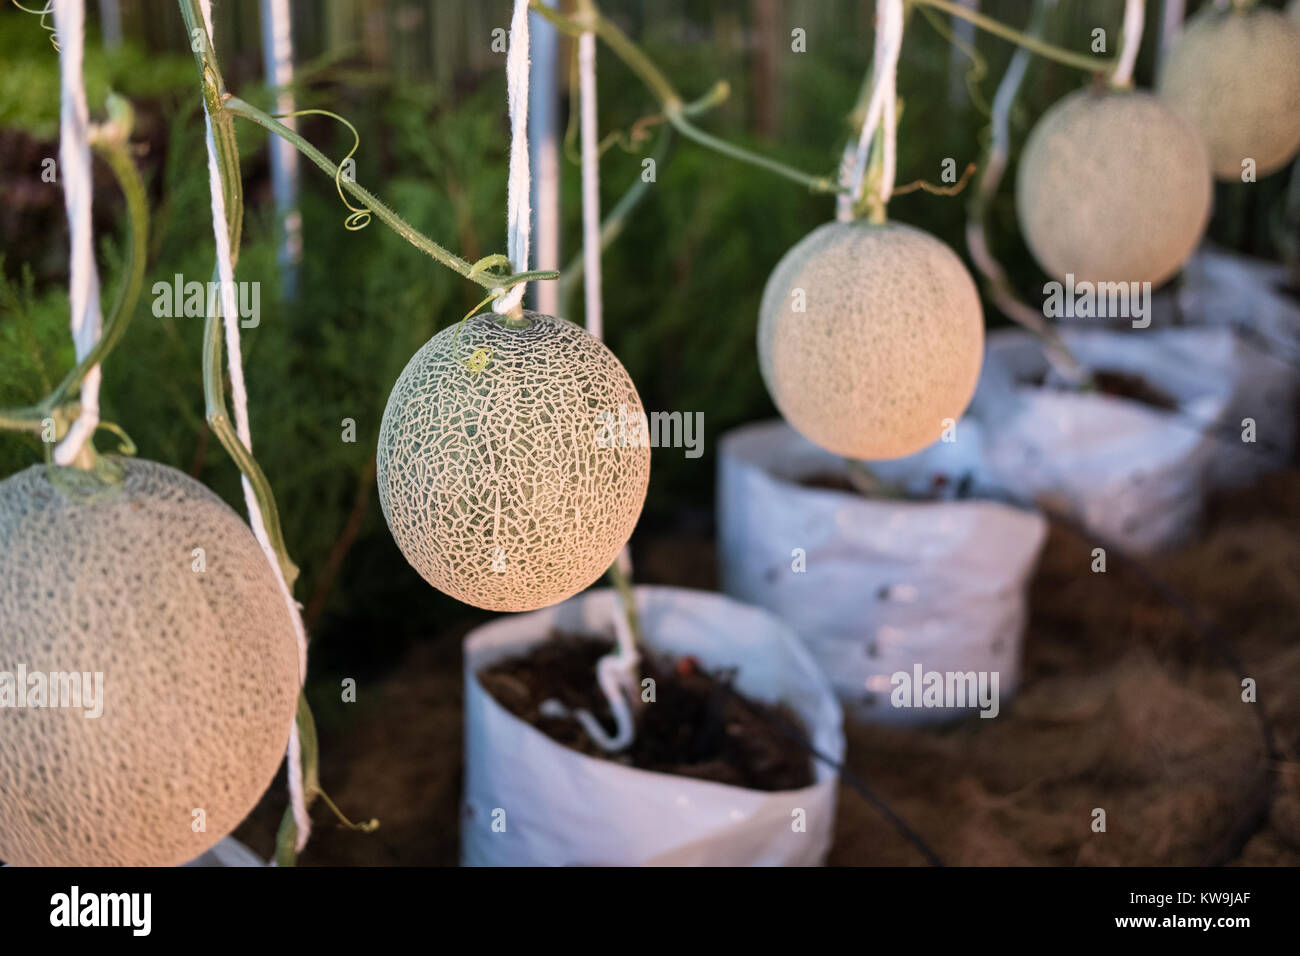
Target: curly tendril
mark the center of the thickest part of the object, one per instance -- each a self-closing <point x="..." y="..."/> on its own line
<point x="44" y="14"/>
<point x="360" y="217"/>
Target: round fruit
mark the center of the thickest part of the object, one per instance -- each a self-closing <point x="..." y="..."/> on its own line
<point x="1113" y="187"/>
<point x="869" y="337"/>
<point x="1235" y="74"/>
<point x="197" y="655"/>
<point x="513" y="461"/>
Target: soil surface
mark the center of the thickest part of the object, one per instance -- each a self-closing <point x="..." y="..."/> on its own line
<point x="1122" y="706"/>
<point x="1118" y="385"/>
<point x="1133" y="387"/>
<point x="697" y="726"/>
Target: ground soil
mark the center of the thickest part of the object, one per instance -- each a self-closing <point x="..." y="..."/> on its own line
<point x="1122" y="707"/>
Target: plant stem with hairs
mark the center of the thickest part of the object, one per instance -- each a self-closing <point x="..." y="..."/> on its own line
<point x="590" y="19"/>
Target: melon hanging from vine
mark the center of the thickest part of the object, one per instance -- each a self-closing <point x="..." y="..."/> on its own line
<point x="158" y="586"/>
<point x="513" y="461"/>
<point x="870" y="338"/>
<point x="1113" y="186"/>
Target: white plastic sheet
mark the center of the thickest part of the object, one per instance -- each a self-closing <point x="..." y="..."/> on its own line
<point x="228" y="852"/>
<point x="560" y="807"/>
<point x="1131" y="472"/>
<point x="886" y="584"/>
<point x="1225" y="290"/>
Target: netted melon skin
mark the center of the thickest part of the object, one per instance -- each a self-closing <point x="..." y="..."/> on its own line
<point x="200" y="670"/>
<point x="1113" y="187"/>
<point x="499" y="485"/>
<point x="889" y="343"/>
<point x="1236" y="77"/>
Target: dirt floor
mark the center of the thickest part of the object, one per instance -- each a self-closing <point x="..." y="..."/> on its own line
<point x="1124" y="706"/>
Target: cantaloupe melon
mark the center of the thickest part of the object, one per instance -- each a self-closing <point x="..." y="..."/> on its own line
<point x="200" y="667"/>
<point x="1235" y="74"/>
<point x="869" y="337"/>
<point x="1113" y="186"/>
<point x="503" y="471"/>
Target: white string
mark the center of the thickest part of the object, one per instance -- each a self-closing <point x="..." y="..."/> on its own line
<point x="544" y="157"/>
<point x="277" y="63"/>
<point x="239" y="396"/>
<point x="616" y="673"/>
<point x="518" y="212"/>
<point x="1134" y="19"/>
<point x="995" y="164"/>
<point x="1171" y="24"/>
<point x="590" y="183"/>
<point x="889" y="41"/>
<point x="74" y="169"/>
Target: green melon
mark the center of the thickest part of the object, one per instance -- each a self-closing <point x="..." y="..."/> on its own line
<point x="870" y="337"/>
<point x="503" y="471"/>
<point x="1235" y="74"/>
<point x="1113" y="187"/>
<point x="200" y="669"/>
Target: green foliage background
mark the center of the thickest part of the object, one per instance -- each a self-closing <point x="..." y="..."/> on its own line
<point x="682" y="284"/>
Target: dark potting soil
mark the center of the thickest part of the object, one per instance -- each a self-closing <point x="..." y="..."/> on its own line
<point x="942" y="488"/>
<point x="1134" y="388"/>
<point x="1120" y="385"/>
<point x="828" y="482"/>
<point x="697" y="725"/>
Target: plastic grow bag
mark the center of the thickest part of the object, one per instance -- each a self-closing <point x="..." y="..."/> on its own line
<point x="1134" y="473"/>
<point x="877" y="585"/>
<point x="559" y="807"/>
<point x="1247" y="295"/>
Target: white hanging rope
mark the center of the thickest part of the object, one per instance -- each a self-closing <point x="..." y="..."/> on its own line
<point x="616" y="673"/>
<point x="239" y="396"/>
<point x="518" y="212"/>
<point x="1134" y="20"/>
<point x="277" y="63"/>
<point x="1171" y="24"/>
<point x="74" y="171"/>
<point x="544" y="157"/>
<point x="889" y="41"/>
<point x="590" y="182"/>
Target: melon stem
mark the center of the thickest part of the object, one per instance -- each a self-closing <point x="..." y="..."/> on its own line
<point x="1079" y="61"/>
<point x="591" y="19"/>
<point x="109" y="140"/>
<point x="218" y="417"/>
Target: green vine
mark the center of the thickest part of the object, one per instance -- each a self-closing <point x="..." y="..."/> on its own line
<point x="590" y="19"/>
<point x="218" y="416"/>
<point x="110" y="141"/>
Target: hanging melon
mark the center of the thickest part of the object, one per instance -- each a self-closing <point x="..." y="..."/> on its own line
<point x="1113" y="187"/>
<point x="513" y="461"/>
<point x="1235" y="74"/>
<point x="156" y="584"/>
<point x="870" y="337"/>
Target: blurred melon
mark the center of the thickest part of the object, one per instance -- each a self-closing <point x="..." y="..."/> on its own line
<point x="869" y="337"/>
<point x="200" y="668"/>
<point x="1113" y="187"/>
<point x="503" y="471"/>
<point x="1235" y="74"/>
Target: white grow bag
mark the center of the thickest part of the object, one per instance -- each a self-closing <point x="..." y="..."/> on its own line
<point x="887" y="584"/>
<point x="1223" y="290"/>
<point x="564" y="808"/>
<point x="1134" y="474"/>
<point x="227" y="852"/>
